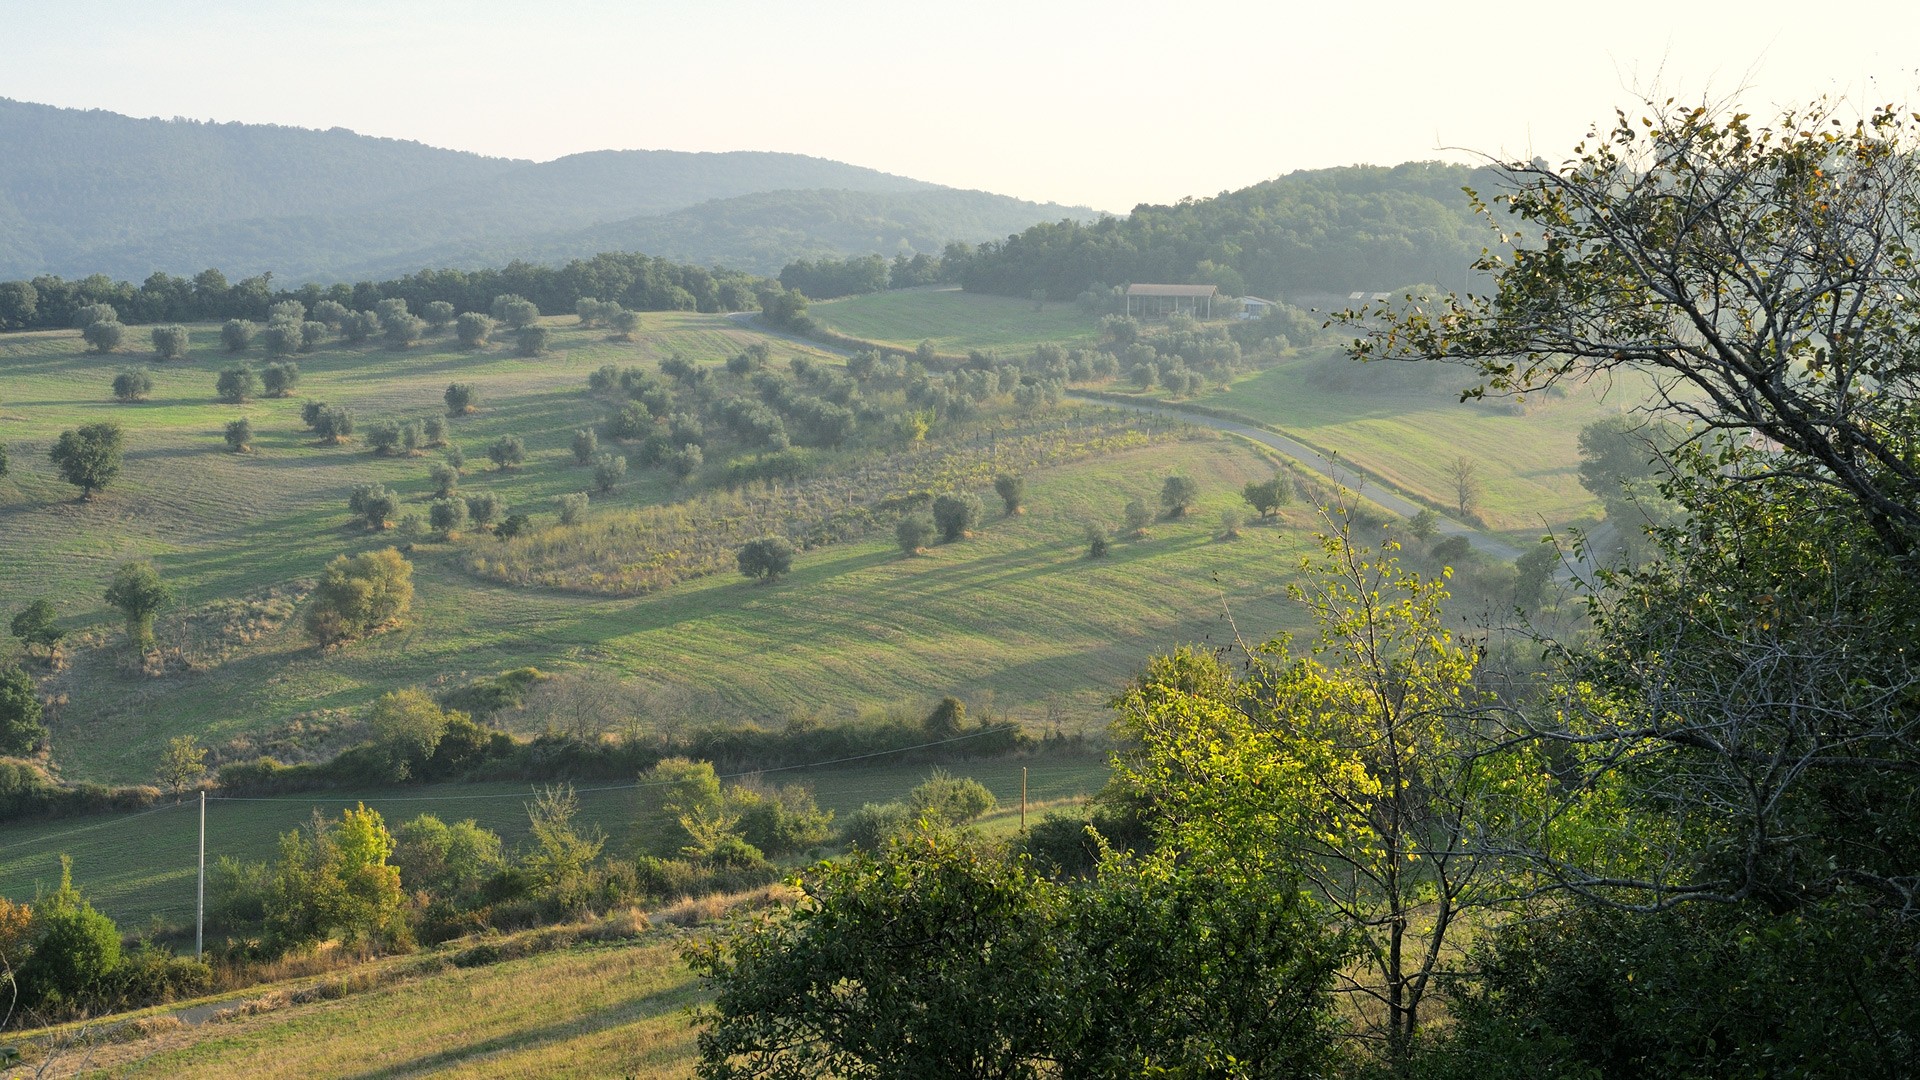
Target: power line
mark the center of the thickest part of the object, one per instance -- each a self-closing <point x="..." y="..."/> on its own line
<point x="90" y="828"/>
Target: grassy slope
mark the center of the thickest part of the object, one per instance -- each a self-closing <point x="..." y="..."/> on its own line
<point x="137" y="868"/>
<point x="955" y="321"/>
<point x="1016" y="612"/>
<point x="1410" y="434"/>
<point x="588" y="1010"/>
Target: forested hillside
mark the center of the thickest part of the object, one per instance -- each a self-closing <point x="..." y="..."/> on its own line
<point x="1330" y="230"/>
<point x="95" y="192"/>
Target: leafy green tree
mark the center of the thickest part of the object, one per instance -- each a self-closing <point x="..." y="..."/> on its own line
<point x="170" y="342"/>
<point x="104" y="336"/>
<point x="448" y="515"/>
<point x="456" y="457"/>
<point x="955" y="514"/>
<point x="1012" y="491"/>
<point x="483" y="509"/>
<point x="19" y="302"/>
<point x="573" y="505"/>
<point x="183" y="764"/>
<point x="474" y="329"/>
<point x="334" y="881"/>
<point x="334" y="424"/>
<point x="404" y="330"/>
<point x="507" y="452"/>
<point x="1268" y="496"/>
<point x="513" y="526"/>
<point x="913" y="532"/>
<point x="239" y="436"/>
<point x="943" y="799"/>
<point x="374" y="504"/>
<point x="407" y="725"/>
<point x="282" y="338"/>
<point x="237" y="385"/>
<point x="21" y="731"/>
<point x="447" y="861"/>
<point x="462" y="398"/>
<point x="674" y="796"/>
<point x="1177" y="496"/>
<point x="439" y="314"/>
<point x="586" y="444"/>
<point x="279" y="379"/>
<point x="237" y="334"/>
<point x="35" y="626"/>
<point x="765" y="560"/>
<point x="559" y="865"/>
<point x="76" y="950"/>
<point x="139" y="593"/>
<point x="133" y="384"/>
<point x="532" y="340"/>
<point x="608" y="469"/>
<point x="359" y="594"/>
<point x="446" y="479"/>
<point x="89" y="457"/>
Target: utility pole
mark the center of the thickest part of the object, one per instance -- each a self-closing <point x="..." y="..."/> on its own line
<point x="1023" y="799"/>
<point x="200" y="901"/>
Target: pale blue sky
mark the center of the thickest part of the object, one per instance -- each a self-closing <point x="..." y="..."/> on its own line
<point x="1107" y="104"/>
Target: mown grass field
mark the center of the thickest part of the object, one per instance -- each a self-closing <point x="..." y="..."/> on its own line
<point x="955" y="321"/>
<point x="1016" y="615"/>
<point x="141" y="868"/>
<point x="588" y="1010"/>
<point x="1410" y="431"/>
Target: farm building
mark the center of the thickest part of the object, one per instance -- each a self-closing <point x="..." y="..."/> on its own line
<point x="1149" y="301"/>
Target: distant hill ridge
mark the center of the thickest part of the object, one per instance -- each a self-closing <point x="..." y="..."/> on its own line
<point x="88" y="191"/>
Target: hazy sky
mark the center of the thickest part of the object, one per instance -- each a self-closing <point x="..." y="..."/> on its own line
<point x="1106" y="104"/>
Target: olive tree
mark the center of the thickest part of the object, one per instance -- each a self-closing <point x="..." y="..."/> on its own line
<point x="237" y="334"/>
<point x="89" y="457"/>
<point x="438" y="313"/>
<point x="170" y="342"/>
<point x="104" y="336"/>
<point x="462" y="398"/>
<point x="955" y="515"/>
<point x="1177" y="495"/>
<point x="236" y="385"/>
<point x="765" y="560"/>
<point x="608" y="469"/>
<point x="507" y="452"/>
<point x="279" y="379"/>
<point x="473" y="329"/>
<point x="133" y="384"/>
<point x="139" y="593"/>
<point x="239" y="436"/>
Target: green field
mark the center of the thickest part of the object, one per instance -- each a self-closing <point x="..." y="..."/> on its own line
<point x="1409" y="431"/>
<point x="589" y="1010"/>
<point x="1016" y="618"/>
<point x="955" y="321"/>
<point x="137" y="868"/>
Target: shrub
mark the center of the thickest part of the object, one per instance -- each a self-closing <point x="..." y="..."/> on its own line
<point x="473" y="329"/>
<point x="133" y="384"/>
<point x="913" y="532"/>
<point x="89" y="314"/>
<point x="170" y="341"/>
<point x="623" y="323"/>
<point x="20" y="712"/>
<point x="75" y="949"/>
<point x="237" y="334"/>
<point x="513" y="526"/>
<point x="360" y="326"/>
<point x="358" y="594"/>
<point x="278" y="380"/>
<point x="532" y="340"/>
<point x="516" y="311"/>
<point x="236" y="385"/>
<point x="239" y="435"/>
<point x="955" y="515"/>
<point x="948" y="800"/>
<point x="608" y="469"/>
<point x="684" y="462"/>
<point x="287" y="311"/>
<point x="331" y="312"/>
<point x="462" y="398"/>
<point x="766" y="559"/>
<point x="507" y="452"/>
<point x="413" y="436"/>
<point x="104" y="336"/>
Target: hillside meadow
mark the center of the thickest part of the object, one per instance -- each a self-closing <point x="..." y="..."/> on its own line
<point x="955" y="321"/>
<point x="1016" y="618"/>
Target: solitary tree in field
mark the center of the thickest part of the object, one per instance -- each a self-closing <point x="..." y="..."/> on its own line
<point x="237" y="384"/>
<point x="955" y="515"/>
<point x="507" y="452"/>
<point x="104" y="336"/>
<point x="474" y="329"/>
<point x="532" y="340"/>
<point x="89" y="457"/>
<point x="133" y="384"/>
<point x="1012" y="490"/>
<point x="139" y="594"/>
<point x="1097" y="542"/>
<point x="1137" y="517"/>
<point x="608" y="470"/>
<point x="237" y="334"/>
<point x="1267" y="496"/>
<point x="1177" y="495"/>
<point x="383" y="436"/>
<point x="239" y="435"/>
<point x="462" y="399"/>
<point x="170" y="342"/>
<point x="359" y="594"/>
<point x="913" y="532"/>
<point x="35" y="626"/>
<point x="766" y="559"/>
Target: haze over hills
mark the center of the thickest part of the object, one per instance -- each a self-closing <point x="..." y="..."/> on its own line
<point x="85" y="192"/>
